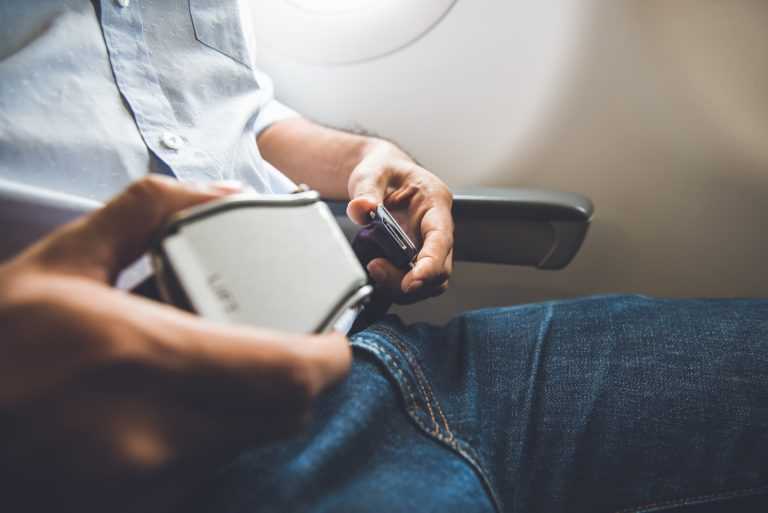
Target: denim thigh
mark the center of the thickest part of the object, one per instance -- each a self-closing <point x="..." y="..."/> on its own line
<point x="361" y="453"/>
<point x="606" y="404"/>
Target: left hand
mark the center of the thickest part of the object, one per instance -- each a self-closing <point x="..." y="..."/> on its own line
<point x="113" y="402"/>
<point x="421" y="203"/>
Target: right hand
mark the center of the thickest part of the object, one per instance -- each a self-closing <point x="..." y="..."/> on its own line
<point x="112" y="402"/>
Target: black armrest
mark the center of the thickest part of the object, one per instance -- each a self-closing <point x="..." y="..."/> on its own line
<point x="528" y="227"/>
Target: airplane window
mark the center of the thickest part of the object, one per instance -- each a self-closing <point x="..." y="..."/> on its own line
<point x="343" y="31"/>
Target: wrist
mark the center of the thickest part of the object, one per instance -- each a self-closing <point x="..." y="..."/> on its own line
<point x="377" y="152"/>
<point x="385" y="150"/>
<point x="363" y="148"/>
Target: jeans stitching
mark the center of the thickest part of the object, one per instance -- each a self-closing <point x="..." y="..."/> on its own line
<point x="419" y="372"/>
<point x="424" y="384"/>
<point x="419" y="383"/>
<point x="467" y="452"/>
<point x="410" y="398"/>
<point x="412" y="403"/>
<point x="700" y="499"/>
<point x="421" y="379"/>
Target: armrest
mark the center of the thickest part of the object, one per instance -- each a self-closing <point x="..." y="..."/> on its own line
<point x="527" y="227"/>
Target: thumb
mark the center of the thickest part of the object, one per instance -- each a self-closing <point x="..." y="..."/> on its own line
<point x="104" y="242"/>
<point x="358" y="209"/>
<point x="366" y="192"/>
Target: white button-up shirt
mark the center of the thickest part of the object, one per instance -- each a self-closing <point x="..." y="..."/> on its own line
<point x="95" y="94"/>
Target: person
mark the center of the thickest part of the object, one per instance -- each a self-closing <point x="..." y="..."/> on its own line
<point x="110" y="401"/>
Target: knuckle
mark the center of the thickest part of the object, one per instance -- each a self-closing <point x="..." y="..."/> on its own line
<point x="148" y="189"/>
<point x="320" y="360"/>
<point x="150" y="194"/>
<point x="444" y="194"/>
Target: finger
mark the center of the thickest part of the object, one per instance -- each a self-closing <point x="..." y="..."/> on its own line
<point x="238" y="376"/>
<point x="385" y="275"/>
<point x="430" y="266"/>
<point x="437" y="290"/>
<point x="448" y="263"/>
<point x="103" y="243"/>
<point x="367" y="190"/>
<point x="224" y="363"/>
<point x="389" y="279"/>
<point x="423" y="292"/>
<point x="359" y="208"/>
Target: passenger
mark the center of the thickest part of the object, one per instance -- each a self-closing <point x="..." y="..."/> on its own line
<point x="112" y="402"/>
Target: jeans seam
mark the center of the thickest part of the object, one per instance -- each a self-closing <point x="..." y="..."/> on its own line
<point x="411" y="402"/>
<point x="421" y="380"/>
<point x="698" y="499"/>
<point x="430" y="394"/>
<point x="419" y="385"/>
<point x="465" y="451"/>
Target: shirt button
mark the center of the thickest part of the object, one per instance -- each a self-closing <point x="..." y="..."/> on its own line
<point x="171" y="141"/>
<point x="123" y="3"/>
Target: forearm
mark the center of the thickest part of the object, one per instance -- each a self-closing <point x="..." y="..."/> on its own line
<point x="320" y="157"/>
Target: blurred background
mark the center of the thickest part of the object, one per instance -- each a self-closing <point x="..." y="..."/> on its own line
<point x="657" y="110"/>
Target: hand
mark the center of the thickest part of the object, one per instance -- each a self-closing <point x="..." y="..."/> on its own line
<point x="421" y="203"/>
<point x="111" y="402"/>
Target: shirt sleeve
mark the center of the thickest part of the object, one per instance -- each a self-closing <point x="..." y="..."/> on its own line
<point x="271" y="110"/>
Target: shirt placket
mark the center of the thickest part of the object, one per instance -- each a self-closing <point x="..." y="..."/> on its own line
<point x="138" y="82"/>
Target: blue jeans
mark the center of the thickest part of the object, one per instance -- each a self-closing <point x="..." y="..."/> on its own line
<point x="605" y="404"/>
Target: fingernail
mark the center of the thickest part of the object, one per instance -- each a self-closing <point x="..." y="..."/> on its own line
<point x="413" y="286"/>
